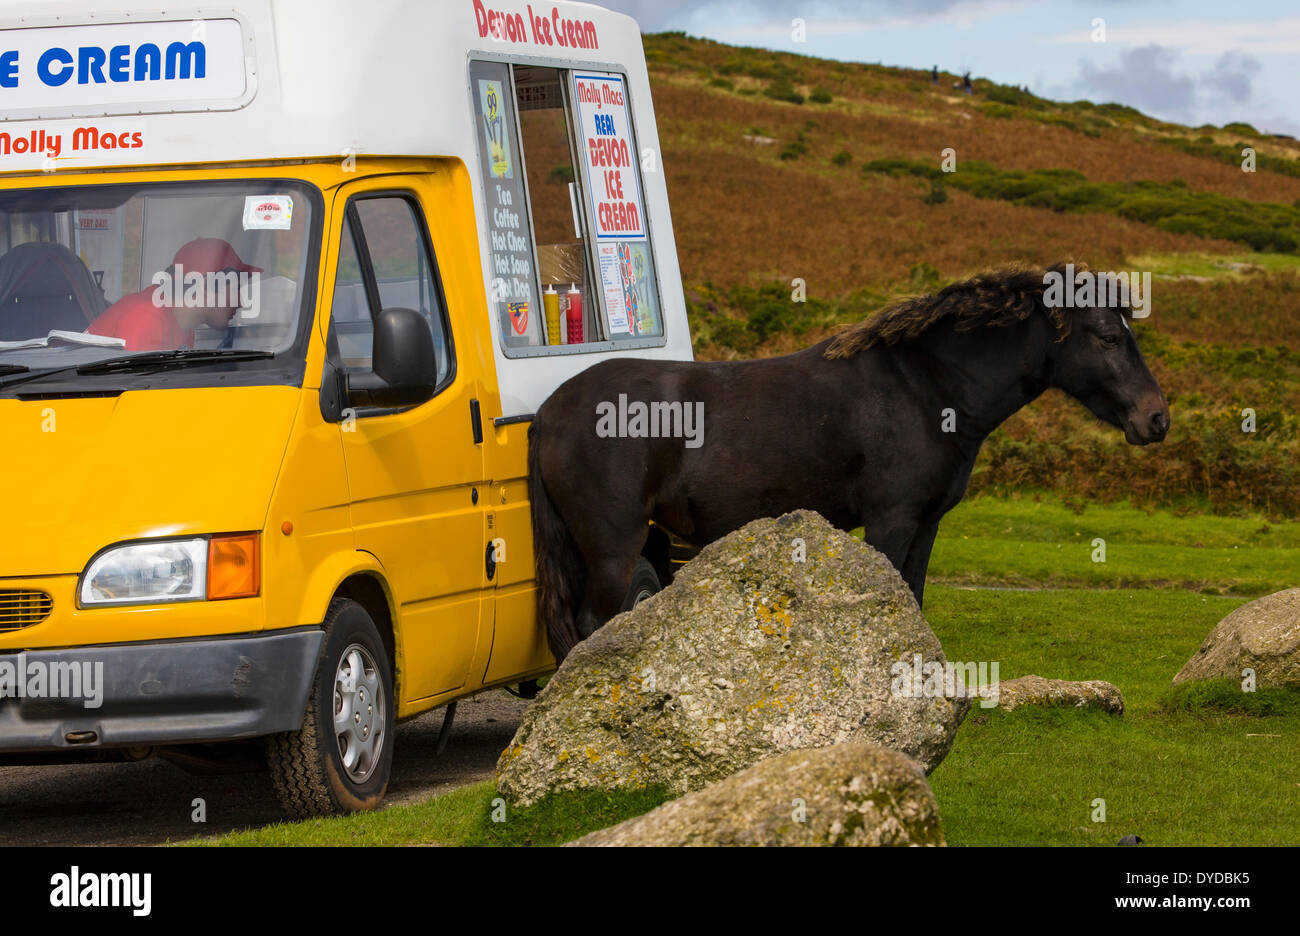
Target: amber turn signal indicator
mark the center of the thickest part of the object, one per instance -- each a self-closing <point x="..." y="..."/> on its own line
<point x="234" y="566"/>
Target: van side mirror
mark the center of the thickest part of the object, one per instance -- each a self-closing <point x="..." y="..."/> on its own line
<point x="404" y="372"/>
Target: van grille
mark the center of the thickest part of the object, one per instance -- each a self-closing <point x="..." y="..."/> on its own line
<point x="23" y="608"/>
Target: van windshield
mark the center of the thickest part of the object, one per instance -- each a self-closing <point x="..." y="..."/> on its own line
<point x="90" y="273"/>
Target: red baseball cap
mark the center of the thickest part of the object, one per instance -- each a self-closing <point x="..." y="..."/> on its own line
<point x="211" y="255"/>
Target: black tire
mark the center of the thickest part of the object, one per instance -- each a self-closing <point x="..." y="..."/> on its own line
<point x="307" y="766"/>
<point x="645" y="582"/>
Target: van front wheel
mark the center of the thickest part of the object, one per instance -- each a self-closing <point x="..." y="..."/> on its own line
<point x="339" y="761"/>
<point x="645" y="582"/>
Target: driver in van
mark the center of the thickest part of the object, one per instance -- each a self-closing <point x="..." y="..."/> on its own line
<point x="147" y="324"/>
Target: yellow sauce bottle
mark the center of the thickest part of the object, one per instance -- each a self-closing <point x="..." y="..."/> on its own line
<point x="551" y="303"/>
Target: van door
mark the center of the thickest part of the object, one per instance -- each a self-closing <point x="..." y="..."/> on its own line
<point x="413" y="473"/>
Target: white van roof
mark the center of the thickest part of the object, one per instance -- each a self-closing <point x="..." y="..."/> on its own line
<point x="283" y="79"/>
<point x="309" y="79"/>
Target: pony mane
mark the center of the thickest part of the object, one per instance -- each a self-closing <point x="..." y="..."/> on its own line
<point x="992" y="299"/>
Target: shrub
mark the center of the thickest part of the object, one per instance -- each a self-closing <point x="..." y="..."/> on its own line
<point x="896" y="167"/>
<point x="1009" y="94"/>
<point x="744" y="317"/>
<point x="937" y="194"/>
<point x="1170" y="206"/>
<point x="781" y="89"/>
<point x="842" y="158"/>
<point x="794" y="149"/>
<point x="771" y="71"/>
<point x="719" y="82"/>
<point x="1119" y="111"/>
<point x="1231" y="155"/>
<point x="923" y="277"/>
<point x="1239" y="127"/>
<point x="820" y="95"/>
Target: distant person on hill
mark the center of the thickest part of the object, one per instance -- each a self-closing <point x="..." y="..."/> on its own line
<point x="965" y="80"/>
<point x="934" y="74"/>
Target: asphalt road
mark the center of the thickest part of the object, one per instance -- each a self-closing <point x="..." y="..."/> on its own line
<point x="150" y="802"/>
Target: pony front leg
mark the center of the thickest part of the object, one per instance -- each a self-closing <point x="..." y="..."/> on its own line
<point x="917" y="562"/>
<point x="607" y="584"/>
<point x="893" y="534"/>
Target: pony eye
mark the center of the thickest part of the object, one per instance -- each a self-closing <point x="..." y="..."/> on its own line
<point x="1110" y="340"/>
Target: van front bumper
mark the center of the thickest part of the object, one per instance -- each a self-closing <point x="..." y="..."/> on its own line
<point x="157" y="692"/>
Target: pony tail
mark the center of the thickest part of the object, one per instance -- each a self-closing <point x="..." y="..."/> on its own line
<point x="560" y="570"/>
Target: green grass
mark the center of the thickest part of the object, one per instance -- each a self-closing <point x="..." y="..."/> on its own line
<point x="1231" y="155"/>
<point x="1028" y="543"/>
<point x="471" y="815"/>
<point x="1198" y="764"/>
<point x="1195" y="764"/>
<point x="1175" y="769"/>
<point x="1212" y="265"/>
<point x="1226" y="695"/>
<point x="1136" y="639"/>
<point x="1170" y="206"/>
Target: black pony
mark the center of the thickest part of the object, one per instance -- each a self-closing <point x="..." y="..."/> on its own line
<point x="876" y="427"/>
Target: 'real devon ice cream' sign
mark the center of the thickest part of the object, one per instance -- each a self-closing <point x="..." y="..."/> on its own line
<point x="123" y="68"/>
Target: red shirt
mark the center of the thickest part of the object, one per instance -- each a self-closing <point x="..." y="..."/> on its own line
<point x="145" y="326"/>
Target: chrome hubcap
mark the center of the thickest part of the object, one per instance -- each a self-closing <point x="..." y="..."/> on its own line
<point x="358" y="712"/>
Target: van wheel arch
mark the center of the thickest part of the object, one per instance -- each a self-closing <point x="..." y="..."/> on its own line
<point x="372" y="594"/>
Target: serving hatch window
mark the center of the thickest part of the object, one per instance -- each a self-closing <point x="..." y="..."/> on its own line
<point x="572" y="268"/>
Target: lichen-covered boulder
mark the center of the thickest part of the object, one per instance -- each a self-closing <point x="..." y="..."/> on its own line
<point x="1263" y="636"/>
<point x="847" y="794"/>
<point x="781" y="636"/>
<point x="1035" y="690"/>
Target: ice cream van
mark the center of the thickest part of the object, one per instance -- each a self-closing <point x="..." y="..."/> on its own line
<point x="281" y="283"/>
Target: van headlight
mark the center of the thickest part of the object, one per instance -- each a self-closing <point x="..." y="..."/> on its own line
<point x="153" y="572"/>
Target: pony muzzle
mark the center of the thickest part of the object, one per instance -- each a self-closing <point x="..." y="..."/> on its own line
<point x="1149" y="421"/>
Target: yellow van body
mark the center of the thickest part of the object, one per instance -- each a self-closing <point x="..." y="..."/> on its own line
<point x="408" y="520"/>
<point x="354" y="511"/>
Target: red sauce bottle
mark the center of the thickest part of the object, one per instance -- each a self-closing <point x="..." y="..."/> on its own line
<point x="574" y="315"/>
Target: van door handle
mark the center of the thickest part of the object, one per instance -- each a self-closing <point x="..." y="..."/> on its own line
<point x="476" y="421"/>
<point x="490" y="560"/>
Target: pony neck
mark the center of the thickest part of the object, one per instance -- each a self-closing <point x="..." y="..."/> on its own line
<point x="987" y="374"/>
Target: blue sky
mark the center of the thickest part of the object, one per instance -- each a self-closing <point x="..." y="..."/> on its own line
<point x="1192" y="62"/>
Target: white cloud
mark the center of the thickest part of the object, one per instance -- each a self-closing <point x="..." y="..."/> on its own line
<point x="1144" y="78"/>
<point x="1155" y="80"/>
<point x="1198" y="37"/>
<point x="731" y="19"/>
